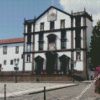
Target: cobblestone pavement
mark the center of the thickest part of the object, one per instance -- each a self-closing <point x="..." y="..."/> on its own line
<point x="68" y="93"/>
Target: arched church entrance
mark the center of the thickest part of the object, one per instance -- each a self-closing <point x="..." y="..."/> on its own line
<point x="51" y="62"/>
<point x="64" y="64"/>
<point x="39" y="64"/>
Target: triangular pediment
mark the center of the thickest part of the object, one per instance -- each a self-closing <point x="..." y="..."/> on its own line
<point x="51" y="11"/>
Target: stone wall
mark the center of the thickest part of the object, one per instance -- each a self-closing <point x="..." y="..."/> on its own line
<point x="28" y="77"/>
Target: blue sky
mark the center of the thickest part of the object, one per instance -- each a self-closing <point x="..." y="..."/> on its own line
<point x="13" y="12"/>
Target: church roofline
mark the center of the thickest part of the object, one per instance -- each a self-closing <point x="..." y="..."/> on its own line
<point x="82" y="13"/>
<point x="54" y="8"/>
<point x="74" y="14"/>
<point x="35" y="19"/>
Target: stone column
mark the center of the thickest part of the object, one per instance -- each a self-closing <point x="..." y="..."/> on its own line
<point x="72" y="42"/>
<point x="85" y="73"/>
<point x="33" y="47"/>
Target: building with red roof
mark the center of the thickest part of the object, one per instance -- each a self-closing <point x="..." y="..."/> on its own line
<point x="11" y="51"/>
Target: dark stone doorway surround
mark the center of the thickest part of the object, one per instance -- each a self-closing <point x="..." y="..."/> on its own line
<point x="64" y="64"/>
<point x="39" y="65"/>
<point x="51" y="62"/>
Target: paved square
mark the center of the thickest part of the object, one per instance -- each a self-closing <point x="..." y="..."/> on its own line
<point x="22" y="91"/>
<point x="17" y="89"/>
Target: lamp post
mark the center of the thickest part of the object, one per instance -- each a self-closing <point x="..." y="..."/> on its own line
<point x="16" y="61"/>
<point x="72" y="66"/>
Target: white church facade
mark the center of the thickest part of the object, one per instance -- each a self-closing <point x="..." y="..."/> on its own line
<point x="57" y="42"/>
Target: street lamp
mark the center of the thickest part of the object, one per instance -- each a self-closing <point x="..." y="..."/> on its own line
<point x="16" y="61"/>
<point x="72" y="67"/>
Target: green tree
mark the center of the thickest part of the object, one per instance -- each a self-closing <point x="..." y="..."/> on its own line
<point x="95" y="46"/>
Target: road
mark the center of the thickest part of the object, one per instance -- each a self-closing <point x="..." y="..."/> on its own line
<point x="68" y="93"/>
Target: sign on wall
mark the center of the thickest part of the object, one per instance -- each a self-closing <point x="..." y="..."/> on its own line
<point x="52" y="15"/>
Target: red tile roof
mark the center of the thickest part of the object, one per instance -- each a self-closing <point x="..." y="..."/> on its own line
<point x="12" y="40"/>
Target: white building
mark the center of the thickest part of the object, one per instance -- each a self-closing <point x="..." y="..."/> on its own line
<point x="11" y="51"/>
<point x="57" y="42"/>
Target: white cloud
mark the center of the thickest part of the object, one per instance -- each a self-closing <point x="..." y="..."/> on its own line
<point x="91" y="6"/>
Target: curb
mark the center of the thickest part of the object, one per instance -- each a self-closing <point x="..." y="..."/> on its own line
<point x="56" y="88"/>
<point x="87" y="81"/>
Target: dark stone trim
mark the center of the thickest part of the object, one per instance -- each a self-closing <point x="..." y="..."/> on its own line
<point x="63" y="50"/>
<point x="35" y="19"/>
<point x="57" y="30"/>
<point x="49" y="9"/>
<point x="33" y="50"/>
<point x="41" y="41"/>
<point x="83" y="14"/>
<point x="30" y="21"/>
<point x="85" y="73"/>
<point x="24" y="55"/>
<point x="72" y="46"/>
<point x="88" y="16"/>
<point x="63" y="40"/>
